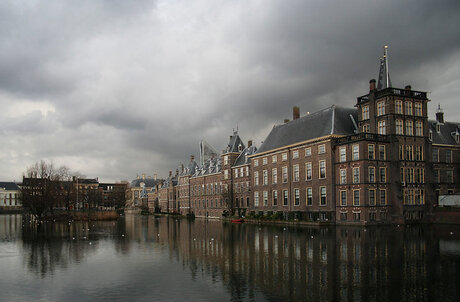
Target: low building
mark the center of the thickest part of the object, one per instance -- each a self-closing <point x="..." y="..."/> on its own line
<point x="10" y="196"/>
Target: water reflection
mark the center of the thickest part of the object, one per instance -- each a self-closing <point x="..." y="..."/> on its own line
<point x="256" y="263"/>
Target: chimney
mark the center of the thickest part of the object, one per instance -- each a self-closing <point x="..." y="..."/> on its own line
<point x="372" y="85"/>
<point x="408" y="87"/>
<point x="192" y="157"/>
<point x="143" y="176"/>
<point x="286" y="120"/>
<point x="155" y="176"/>
<point x="170" y="173"/>
<point x="439" y="115"/>
<point x="295" y="112"/>
<point x="249" y="143"/>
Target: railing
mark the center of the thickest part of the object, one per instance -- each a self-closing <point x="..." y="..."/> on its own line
<point x="395" y="91"/>
<point x="361" y="136"/>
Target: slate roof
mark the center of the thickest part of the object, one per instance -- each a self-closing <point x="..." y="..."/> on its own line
<point x="170" y="180"/>
<point x="447" y="134"/>
<point x="9" y="186"/>
<point x="211" y="166"/>
<point x="235" y="144"/>
<point x="190" y="169"/>
<point x="243" y="158"/>
<point x="149" y="182"/>
<point x="88" y="181"/>
<point x="332" y="120"/>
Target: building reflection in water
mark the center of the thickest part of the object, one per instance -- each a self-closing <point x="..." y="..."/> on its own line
<point x="265" y="262"/>
<point x="314" y="264"/>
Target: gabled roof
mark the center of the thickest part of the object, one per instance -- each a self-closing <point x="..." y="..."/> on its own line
<point x="190" y="169"/>
<point x="446" y="135"/>
<point x="332" y="120"/>
<point x="243" y="158"/>
<point x="148" y="182"/>
<point x="9" y="186"/>
<point x="211" y="166"/>
<point x="235" y="144"/>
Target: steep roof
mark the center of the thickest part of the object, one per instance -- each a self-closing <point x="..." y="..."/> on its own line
<point x="9" y="186"/>
<point x="243" y="158"/>
<point x="190" y="169"/>
<point x="149" y="182"/>
<point x="235" y="144"/>
<point x="332" y="120"/>
<point x="446" y="135"/>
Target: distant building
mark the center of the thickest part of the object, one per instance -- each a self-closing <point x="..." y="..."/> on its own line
<point x="10" y="196"/>
<point x="137" y="191"/>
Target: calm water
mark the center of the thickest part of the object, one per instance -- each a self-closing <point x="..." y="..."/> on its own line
<point x="140" y="258"/>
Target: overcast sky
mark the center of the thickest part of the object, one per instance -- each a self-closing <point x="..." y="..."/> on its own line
<point x="113" y="89"/>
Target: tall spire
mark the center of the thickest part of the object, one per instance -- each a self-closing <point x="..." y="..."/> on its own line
<point x="384" y="74"/>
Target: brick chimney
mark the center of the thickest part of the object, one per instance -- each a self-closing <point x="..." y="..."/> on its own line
<point x="192" y="157"/>
<point x="372" y="85"/>
<point x="249" y="143"/>
<point x="295" y="112"/>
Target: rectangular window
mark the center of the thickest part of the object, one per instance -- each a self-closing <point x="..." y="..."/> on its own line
<point x="448" y="156"/>
<point x="383" y="174"/>
<point x="285" y="174"/>
<point x="399" y="127"/>
<point x="308" y="151"/>
<point x="435" y="155"/>
<point x="264" y="161"/>
<point x="343" y="176"/>
<point x="265" y="177"/>
<point x="296" y="197"/>
<point x="343" y="216"/>
<point x="382" y="153"/>
<point x="274" y="175"/>
<point x="450" y="176"/>
<point x="284" y="156"/>
<point x="355" y="152"/>
<point x="371" y="151"/>
<point x="343" y="198"/>
<point x="236" y="173"/>
<point x="247" y="171"/>
<point x="419" y="153"/>
<point x="256" y="162"/>
<point x="371" y="174"/>
<point x="308" y="171"/>
<point x="383" y="196"/>
<point x="295" y="154"/>
<point x="256" y="178"/>
<point x="365" y="112"/>
<point x="241" y="172"/>
<point x="321" y="149"/>
<point x="418" y="109"/>
<point x="381" y="128"/>
<point x="295" y="172"/>
<point x="275" y="198"/>
<point x="401" y="152"/>
<point x="285" y="197"/>
<point x="322" y="192"/>
<point x="409" y="152"/>
<point x="409" y="128"/>
<point x="309" y="196"/>
<point x="256" y="199"/>
<point x="274" y="159"/>
<point x="322" y="169"/>
<point x="355" y="175"/>
<point x="343" y="154"/>
<point x="408" y="107"/>
<point x="380" y="108"/>
<point x="356" y="197"/>
<point x="371" y="197"/>
<point x="265" y="196"/>
<point x="226" y="160"/>
<point x="398" y="107"/>
<point x="366" y="129"/>
<point x="418" y="128"/>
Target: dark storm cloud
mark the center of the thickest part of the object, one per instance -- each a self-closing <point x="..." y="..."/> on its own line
<point x="134" y="86"/>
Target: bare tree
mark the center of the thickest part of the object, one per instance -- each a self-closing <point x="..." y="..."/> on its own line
<point x="45" y="186"/>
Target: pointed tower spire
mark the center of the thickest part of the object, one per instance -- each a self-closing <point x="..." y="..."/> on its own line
<point x="384" y="74"/>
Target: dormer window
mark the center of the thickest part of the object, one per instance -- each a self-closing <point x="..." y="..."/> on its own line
<point x="438" y="127"/>
<point x="430" y="135"/>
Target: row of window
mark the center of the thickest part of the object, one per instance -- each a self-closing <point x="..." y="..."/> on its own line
<point x="443" y="176"/>
<point x="357" y="216"/>
<point x="241" y="187"/>
<point x="208" y="189"/>
<point x="295" y="173"/>
<point x="411" y="152"/>
<point x="409" y="127"/>
<point x="447" y="155"/>
<point x="382" y="176"/>
<point x="408" y="106"/>
<point x="414" y="196"/>
<point x="371" y="197"/>
<point x="371" y="152"/>
<point x="412" y="175"/>
<point x="285" y="197"/>
<point x="240" y="172"/>
<point x="295" y="155"/>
